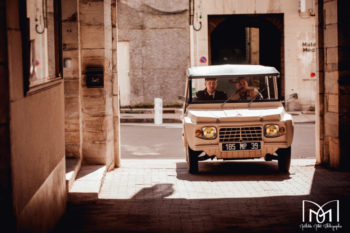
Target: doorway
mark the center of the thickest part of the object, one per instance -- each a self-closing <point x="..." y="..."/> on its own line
<point x="248" y="39"/>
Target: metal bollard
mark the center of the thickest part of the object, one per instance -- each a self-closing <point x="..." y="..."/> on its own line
<point x="158" y="111"/>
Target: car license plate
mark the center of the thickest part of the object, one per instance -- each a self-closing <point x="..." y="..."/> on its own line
<point x="241" y="146"/>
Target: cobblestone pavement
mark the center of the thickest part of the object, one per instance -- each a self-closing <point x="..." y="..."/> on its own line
<point x="240" y="196"/>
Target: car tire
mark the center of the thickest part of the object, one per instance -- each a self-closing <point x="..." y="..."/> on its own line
<point x="192" y="158"/>
<point x="284" y="157"/>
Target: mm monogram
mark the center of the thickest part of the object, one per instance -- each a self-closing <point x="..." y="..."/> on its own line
<point x="315" y="213"/>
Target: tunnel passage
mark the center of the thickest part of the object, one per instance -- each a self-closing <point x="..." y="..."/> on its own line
<point x="247" y="39"/>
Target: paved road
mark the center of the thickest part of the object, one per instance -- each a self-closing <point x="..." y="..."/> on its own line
<point x="147" y="141"/>
<point x="159" y="195"/>
<point x="304" y="141"/>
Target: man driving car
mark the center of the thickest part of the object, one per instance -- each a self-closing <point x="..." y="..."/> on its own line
<point x="210" y="92"/>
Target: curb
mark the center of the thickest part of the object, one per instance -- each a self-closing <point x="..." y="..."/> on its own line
<point x="149" y="110"/>
<point x="304" y="122"/>
<point x="148" y="120"/>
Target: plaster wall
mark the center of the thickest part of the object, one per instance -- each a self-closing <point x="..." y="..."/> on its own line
<point x="37" y="140"/>
<point x="158" y="37"/>
<point x="299" y="41"/>
<point x="6" y="201"/>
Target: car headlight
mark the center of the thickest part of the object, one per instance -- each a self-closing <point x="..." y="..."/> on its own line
<point x="272" y="131"/>
<point x="206" y="133"/>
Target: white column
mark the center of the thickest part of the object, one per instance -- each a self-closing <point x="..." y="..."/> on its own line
<point x="158" y="111"/>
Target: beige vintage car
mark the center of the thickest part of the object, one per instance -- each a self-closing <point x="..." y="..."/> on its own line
<point x="234" y="112"/>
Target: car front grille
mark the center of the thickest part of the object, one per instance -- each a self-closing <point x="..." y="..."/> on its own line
<point x="243" y="134"/>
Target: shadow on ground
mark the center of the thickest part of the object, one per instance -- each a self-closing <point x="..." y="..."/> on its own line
<point x="232" y="171"/>
<point x="159" y="213"/>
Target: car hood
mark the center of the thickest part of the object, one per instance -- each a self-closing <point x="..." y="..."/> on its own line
<point x="230" y="115"/>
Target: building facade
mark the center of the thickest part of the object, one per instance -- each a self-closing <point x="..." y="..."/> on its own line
<point x="59" y="83"/>
<point x="276" y="33"/>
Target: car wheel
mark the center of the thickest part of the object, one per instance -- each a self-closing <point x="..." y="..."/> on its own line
<point x="192" y="159"/>
<point x="284" y="157"/>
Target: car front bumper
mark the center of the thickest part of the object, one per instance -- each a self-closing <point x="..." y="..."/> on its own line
<point x="216" y="150"/>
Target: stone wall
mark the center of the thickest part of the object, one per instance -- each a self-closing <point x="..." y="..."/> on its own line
<point x="89" y="39"/>
<point x="331" y="88"/>
<point x="319" y="111"/>
<point x="115" y="83"/>
<point x="97" y="103"/>
<point x="334" y="91"/>
<point x="72" y="78"/>
<point x="158" y="36"/>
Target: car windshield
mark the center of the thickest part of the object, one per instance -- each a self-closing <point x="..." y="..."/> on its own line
<point x="257" y="88"/>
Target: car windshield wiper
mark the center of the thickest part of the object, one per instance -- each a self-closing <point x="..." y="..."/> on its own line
<point x="222" y="105"/>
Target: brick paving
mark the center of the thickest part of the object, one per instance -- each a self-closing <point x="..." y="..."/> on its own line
<point x="242" y="196"/>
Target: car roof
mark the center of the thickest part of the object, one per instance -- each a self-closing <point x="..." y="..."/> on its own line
<point x="230" y="70"/>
